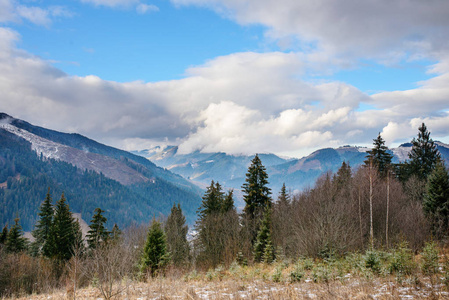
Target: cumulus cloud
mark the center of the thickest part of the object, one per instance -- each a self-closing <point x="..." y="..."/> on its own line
<point x="239" y="103"/>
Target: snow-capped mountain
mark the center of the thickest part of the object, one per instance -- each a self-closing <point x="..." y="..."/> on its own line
<point x="297" y="174"/>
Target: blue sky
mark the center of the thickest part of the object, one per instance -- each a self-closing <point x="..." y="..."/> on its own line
<point x="223" y="75"/>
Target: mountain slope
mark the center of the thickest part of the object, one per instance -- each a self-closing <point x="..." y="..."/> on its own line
<point x="297" y="174"/>
<point x="130" y="188"/>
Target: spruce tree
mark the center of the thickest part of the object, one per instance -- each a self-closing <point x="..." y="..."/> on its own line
<point x="43" y="226"/>
<point x="212" y="200"/>
<point x="423" y="156"/>
<point x="263" y="247"/>
<point x="115" y="233"/>
<point x="228" y="202"/>
<point x="176" y="232"/>
<point x="78" y="244"/>
<point x="256" y="193"/>
<point x="379" y="156"/>
<point x="436" y="199"/>
<point x="284" y="197"/>
<point x="63" y="232"/>
<point x="15" y="241"/>
<point x="155" y="251"/>
<point x="97" y="232"/>
<point x="4" y="234"/>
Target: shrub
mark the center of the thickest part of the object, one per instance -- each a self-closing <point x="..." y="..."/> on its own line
<point x="372" y="261"/>
<point x="401" y="262"/>
<point x="429" y="257"/>
<point x="297" y="273"/>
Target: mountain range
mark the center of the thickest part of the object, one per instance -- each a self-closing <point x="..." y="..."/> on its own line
<point x="134" y="187"/>
<point x="130" y="188"/>
<point x="297" y="173"/>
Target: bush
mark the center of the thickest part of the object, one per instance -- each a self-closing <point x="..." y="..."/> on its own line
<point x="373" y="261"/>
<point x="297" y="274"/>
<point x="429" y="257"/>
<point x="401" y="262"/>
<point x="277" y="275"/>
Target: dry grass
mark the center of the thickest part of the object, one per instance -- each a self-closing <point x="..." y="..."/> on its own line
<point x="257" y="283"/>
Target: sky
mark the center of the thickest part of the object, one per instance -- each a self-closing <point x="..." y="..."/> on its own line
<point x="237" y="76"/>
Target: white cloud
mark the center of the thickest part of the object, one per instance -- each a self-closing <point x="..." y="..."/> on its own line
<point x="112" y="3"/>
<point x="240" y="103"/>
<point x="12" y="11"/>
<point x="6" y="11"/>
<point x="35" y="15"/>
<point x="146" y="8"/>
<point x="381" y="29"/>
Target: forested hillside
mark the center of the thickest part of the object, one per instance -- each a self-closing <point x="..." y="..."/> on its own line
<point x="25" y="177"/>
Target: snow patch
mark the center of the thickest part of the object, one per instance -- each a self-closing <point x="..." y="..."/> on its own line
<point x="47" y="148"/>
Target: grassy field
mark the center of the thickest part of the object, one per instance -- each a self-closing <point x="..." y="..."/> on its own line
<point x="396" y="274"/>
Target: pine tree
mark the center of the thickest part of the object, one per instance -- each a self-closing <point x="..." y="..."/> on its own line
<point x="217" y="226"/>
<point x="436" y="199"/>
<point x="263" y="247"/>
<point x="379" y="156"/>
<point x="255" y="191"/>
<point x="115" y="233"/>
<point x="4" y="235"/>
<point x="155" y="250"/>
<point x="15" y="241"/>
<point x="228" y="202"/>
<point x="63" y="232"/>
<point x="284" y="197"/>
<point x="97" y="232"/>
<point x="423" y="156"/>
<point x="176" y="232"/>
<point x="78" y="244"/>
<point x="212" y="200"/>
<point x="43" y="226"/>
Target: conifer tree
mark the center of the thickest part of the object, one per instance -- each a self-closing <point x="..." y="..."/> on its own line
<point x="379" y="156"/>
<point x="256" y="193"/>
<point x="155" y="251"/>
<point x="4" y="234"/>
<point x="424" y="154"/>
<point x="284" y="197"/>
<point x="176" y="232"/>
<point x="115" y="233"/>
<point x="263" y="247"/>
<point x="228" y="202"/>
<point x="217" y="226"/>
<point x="63" y="232"/>
<point x="15" y="241"/>
<point x="436" y="199"/>
<point x="43" y="226"/>
<point x="78" y="244"/>
<point x="212" y="200"/>
<point x="97" y="232"/>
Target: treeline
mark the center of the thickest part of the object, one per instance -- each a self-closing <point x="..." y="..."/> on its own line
<point x="379" y="205"/>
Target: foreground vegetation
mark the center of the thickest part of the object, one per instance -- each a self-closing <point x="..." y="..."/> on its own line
<point x="396" y="274"/>
<point x="379" y="231"/>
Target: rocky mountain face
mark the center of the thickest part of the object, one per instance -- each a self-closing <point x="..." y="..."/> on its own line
<point x="129" y="187"/>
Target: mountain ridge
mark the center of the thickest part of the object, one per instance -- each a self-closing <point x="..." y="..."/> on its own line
<point x="130" y="188"/>
<point x="296" y="173"/>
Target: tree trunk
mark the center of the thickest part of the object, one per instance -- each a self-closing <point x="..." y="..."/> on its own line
<point x="371" y="230"/>
<point x="388" y="207"/>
